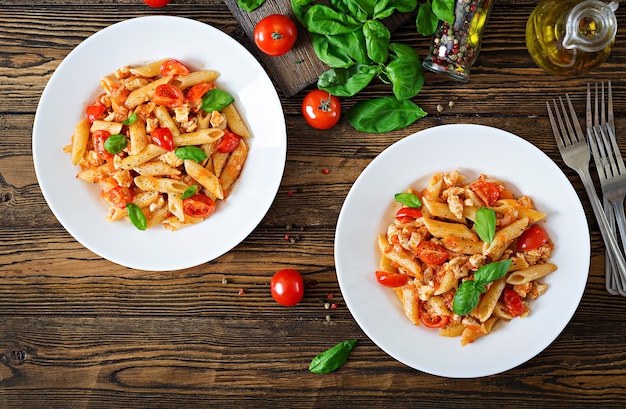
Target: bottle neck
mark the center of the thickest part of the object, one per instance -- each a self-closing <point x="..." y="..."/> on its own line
<point x="591" y="26"/>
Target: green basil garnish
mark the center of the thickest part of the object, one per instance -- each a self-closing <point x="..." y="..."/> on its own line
<point x="136" y="216"/>
<point x="250" y="5"/>
<point x="467" y="296"/>
<point x="190" y="191"/>
<point x="131" y="118"/>
<point x="333" y="358"/>
<point x="485" y="224"/>
<point x="408" y="199"/>
<point x="114" y="144"/>
<point x="215" y="100"/>
<point x="191" y="153"/>
<point x="384" y="114"/>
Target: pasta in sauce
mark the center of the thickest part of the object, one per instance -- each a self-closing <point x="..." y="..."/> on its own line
<point x="454" y="231"/>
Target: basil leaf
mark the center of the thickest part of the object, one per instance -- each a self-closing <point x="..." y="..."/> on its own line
<point x="492" y="271"/>
<point x="360" y="10"/>
<point x="352" y="44"/>
<point x="444" y="9"/>
<point x="384" y="114"/>
<point x="322" y="19"/>
<point x="191" y="153"/>
<point x="466" y="298"/>
<point x="329" y="53"/>
<point x="385" y="8"/>
<point x="250" y="5"/>
<point x="131" y="119"/>
<point x="377" y="38"/>
<point x="332" y="358"/>
<point x="215" y="100"/>
<point x="485" y="224"/>
<point x="114" y="144"/>
<point x="190" y="191"/>
<point x="408" y="199"/>
<point x="300" y="8"/>
<point x="404" y="71"/>
<point x="136" y="216"/>
<point x="345" y="82"/>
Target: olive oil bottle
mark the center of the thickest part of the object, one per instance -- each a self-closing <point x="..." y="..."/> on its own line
<point x="571" y="37"/>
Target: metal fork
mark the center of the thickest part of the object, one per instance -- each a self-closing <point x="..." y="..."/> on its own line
<point x="611" y="172"/>
<point x="576" y="155"/>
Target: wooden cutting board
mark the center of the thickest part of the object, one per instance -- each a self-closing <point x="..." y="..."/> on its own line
<point x="300" y="67"/>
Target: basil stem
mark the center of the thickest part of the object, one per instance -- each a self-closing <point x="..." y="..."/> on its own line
<point x="114" y="144"/>
<point x="333" y="358"/>
<point x="136" y="216"/>
<point x="191" y="153"/>
<point x="408" y="199"/>
<point x="485" y="224"/>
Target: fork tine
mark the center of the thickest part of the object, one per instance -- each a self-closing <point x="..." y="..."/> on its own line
<point x="602" y="107"/>
<point x="610" y="118"/>
<point x="555" y="128"/>
<point x="578" y="135"/>
<point x="588" y="117"/>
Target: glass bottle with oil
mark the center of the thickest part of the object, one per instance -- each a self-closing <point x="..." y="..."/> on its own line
<point x="570" y="37"/>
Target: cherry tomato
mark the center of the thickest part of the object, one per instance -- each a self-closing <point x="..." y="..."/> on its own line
<point x="431" y="320"/>
<point x="99" y="137"/>
<point x="163" y="137"/>
<point x="275" y="34"/>
<point x="513" y="302"/>
<point x="389" y="279"/>
<point x="168" y="95"/>
<point x="156" y="3"/>
<point x="228" y="143"/>
<point x="532" y="238"/>
<point x="408" y="214"/>
<point x="432" y="253"/>
<point x="287" y="287"/>
<point x="118" y="196"/>
<point x="95" y="112"/>
<point x="194" y="94"/>
<point x="487" y="191"/>
<point x="198" y="205"/>
<point x="321" y="109"/>
<point x="173" y="67"/>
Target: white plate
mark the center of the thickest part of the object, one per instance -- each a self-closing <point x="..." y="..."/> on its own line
<point x="74" y="84"/>
<point x="471" y="149"/>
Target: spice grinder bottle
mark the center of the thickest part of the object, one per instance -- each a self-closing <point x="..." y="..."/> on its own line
<point x="571" y="37"/>
<point x="455" y="47"/>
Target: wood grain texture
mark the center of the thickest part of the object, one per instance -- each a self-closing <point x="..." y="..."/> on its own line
<point x="78" y="331"/>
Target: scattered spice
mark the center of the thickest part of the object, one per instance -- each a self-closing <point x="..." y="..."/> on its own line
<point x="333" y="306"/>
<point x="325" y="171"/>
<point x="328" y="318"/>
<point x="224" y="280"/>
<point x="290" y="193"/>
<point x="326" y="305"/>
<point x="242" y="291"/>
<point x="439" y="108"/>
<point x="451" y="104"/>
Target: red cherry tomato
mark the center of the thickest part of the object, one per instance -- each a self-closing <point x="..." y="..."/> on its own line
<point x="194" y="94"/>
<point x="408" y="214"/>
<point x="198" y="205"/>
<point x="432" y="253"/>
<point x="389" y="279"/>
<point x="228" y="143"/>
<point x="513" y="302"/>
<point x="287" y="287"/>
<point x="320" y="109"/>
<point x="173" y="67"/>
<point x="168" y="95"/>
<point x="487" y="191"/>
<point x="163" y="137"/>
<point x="432" y="320"/>
<point x="98" y="138"/>
<point x="95" y="112"/>
<point x="156" y="3"/>
<point x="532" y="238"/>
<point x="118" y="196"/>
<point x="275" y="34"/>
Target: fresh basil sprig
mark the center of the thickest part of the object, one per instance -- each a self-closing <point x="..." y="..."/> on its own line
<point x="485" y="224"/>
<point x="191" y="153"/>
<point x="215" y="100"/>
<point x="131" y="119"/>
<point x="468" y="294"/>
<point x="408" y="199"/>
<point x="333" y="358"/>
<point x="114" y="144"/>
<point x="190" y="191"/>
<point x="136" y="216"/>
<point x="431" y="12"/>
<point x="250" y="5"/>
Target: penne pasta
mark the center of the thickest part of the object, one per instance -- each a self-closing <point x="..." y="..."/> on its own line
<point x="530" y="273"/>
<point x="148" y="153"/>
<point x="196" y="77"/>
<point x="79" y="140"/>
<point x="208" y="180"/>
<point x="200" y="137"/>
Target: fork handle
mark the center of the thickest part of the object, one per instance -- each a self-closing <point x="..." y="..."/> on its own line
<point x="607" y="234"/>
<point x="611" y="278"/>
<point x="618" y="208"/>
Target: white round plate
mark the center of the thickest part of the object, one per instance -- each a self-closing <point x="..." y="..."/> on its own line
<point x="472" y="150"/>
<point x="75" y="83"/>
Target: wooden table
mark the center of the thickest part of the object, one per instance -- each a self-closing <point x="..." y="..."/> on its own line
<point x="77" y="331"/>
